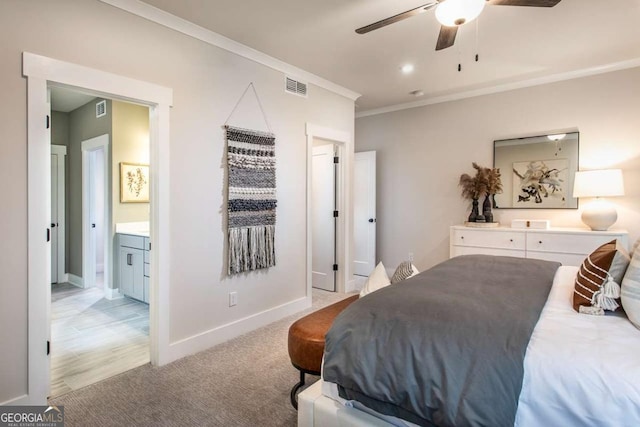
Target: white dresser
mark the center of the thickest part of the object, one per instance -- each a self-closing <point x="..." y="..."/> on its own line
<point x="569" y="246"/>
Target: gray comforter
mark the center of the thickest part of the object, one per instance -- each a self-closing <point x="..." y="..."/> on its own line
<point x="445" y="347"/>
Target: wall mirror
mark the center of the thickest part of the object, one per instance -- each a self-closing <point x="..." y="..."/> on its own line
<point x="537" y="172"/>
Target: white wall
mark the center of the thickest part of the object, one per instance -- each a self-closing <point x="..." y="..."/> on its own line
<point x="423" y="151"/>
<point x="206" y="83"/>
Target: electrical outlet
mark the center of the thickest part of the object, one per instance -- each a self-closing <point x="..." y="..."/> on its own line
<point x="233" y="298"/>
<point x="411" y="256"/>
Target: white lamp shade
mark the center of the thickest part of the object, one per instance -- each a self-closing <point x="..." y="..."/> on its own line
<point x="598" y="183"/>
<point x="457" y="12"/>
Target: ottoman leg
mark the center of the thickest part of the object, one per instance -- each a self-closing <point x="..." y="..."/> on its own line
<point x="294" y="391"/>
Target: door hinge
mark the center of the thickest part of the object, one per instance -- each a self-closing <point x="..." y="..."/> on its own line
<point x="335" y="214"/>
<point x="48" y="347"/>
<point x="335" y="267"/>
<point x="48" y="121"/>
<point x="48" y="234"/>
<point x="336" y="159"/>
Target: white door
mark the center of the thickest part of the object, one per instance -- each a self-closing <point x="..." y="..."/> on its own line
<point x="95" y="211"/>
<point x="323" y="222"/>
<point x="364" y="213"/>
<point x="58" y="153"/>
<point x="54" y="218"/>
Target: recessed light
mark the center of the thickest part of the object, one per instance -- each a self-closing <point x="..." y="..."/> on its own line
<point x="407" y="68"/>
<point x="416" y="93"/>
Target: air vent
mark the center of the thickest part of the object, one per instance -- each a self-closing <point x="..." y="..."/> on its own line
<point x="101" y="108"/>
<point x="295" y="87"/>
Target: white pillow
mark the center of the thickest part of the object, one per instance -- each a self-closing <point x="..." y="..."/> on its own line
<point x="378" y="279"/>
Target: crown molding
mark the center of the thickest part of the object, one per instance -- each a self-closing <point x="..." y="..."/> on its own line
<point x="553" y="78"/>
<point x="190" y="29"/>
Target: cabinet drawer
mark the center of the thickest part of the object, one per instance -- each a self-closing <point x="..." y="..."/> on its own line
<point x="564" y="259"/>
<point x="497" y="239"/>
<point x="146" y="270"/>
<point x="132" y="241"/>
<point x="470" y="250"/>
<point x="583" y="243"/>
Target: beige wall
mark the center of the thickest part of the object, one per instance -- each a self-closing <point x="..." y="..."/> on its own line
<point x="421" y="153"/>
<point x="130" y="144"/>
<point x="206" y="83"/>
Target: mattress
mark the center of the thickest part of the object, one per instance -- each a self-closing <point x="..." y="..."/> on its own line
<point x="578" y="370"/>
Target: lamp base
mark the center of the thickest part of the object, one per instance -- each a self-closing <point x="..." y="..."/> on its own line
<point x="599" y="215"/>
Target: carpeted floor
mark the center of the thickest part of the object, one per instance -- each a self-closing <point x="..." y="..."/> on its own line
<point x="243" y="382"/>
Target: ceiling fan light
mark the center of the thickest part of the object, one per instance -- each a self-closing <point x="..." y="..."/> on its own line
<point x="453" y="13"/>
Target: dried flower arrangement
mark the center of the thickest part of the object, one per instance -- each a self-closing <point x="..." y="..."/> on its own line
<point x="486" y="182"/>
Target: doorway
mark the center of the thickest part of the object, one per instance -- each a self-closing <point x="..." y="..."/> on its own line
<point x="42" y="72"/>
<point x="324" y="214"/>
<point x="343" y="236"/>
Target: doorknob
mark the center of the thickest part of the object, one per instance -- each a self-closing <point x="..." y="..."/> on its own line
<point x="372" y="220"/>
<point x="93" y="226"/>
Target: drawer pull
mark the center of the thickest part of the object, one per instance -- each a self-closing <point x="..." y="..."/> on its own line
<point x="511" y="240"/>
<point x="462" y="237"/>
<point x="129" y="259"/>
<point x="540" y="241"/>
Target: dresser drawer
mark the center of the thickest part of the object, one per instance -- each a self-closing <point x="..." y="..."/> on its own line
<point x="564" y="259"/>
<point x="496" y="239"/>
<point x="471" y="250"/>
<point x="575" y="243"/>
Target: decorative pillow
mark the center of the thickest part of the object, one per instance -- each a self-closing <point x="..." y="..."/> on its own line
<point x="631" y="289"/>
<point x="378" y="279"/>
<point x="597" y="283"/>
<point x="405" y="270"/>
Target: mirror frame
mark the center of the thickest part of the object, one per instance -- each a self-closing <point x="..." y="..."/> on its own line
<point x="531" y="194"/>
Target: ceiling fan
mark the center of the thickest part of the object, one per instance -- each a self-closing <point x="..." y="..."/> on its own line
<point x="452" y="14"/>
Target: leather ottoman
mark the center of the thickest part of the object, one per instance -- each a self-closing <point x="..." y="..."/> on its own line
<point x="306" y="341"/>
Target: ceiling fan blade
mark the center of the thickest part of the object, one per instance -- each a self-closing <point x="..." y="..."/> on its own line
<point x="447" y="37"/>
<point x="532" y="3"/>
<point x="395" y="18"/>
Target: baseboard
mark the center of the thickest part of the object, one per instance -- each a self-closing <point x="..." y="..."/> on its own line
<point x="65" y="278"/>
<point x="112" y="293"/>
<point x="18" y="401"/>
<point x="76" y="280"/>
<point x="356" y="284"/>
<point x="212" y="337"/>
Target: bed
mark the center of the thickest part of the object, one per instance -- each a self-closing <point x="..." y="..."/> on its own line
<point x="576" y="370"/>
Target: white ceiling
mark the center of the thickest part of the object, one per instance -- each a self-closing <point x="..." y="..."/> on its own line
<point x="515" y="43"/>
<point x="66" y="100"/>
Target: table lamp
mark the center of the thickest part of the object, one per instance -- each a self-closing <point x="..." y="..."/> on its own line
<point x="599" y="215"/>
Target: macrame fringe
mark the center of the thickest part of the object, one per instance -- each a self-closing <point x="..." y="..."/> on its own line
<point x="251" y="248"/>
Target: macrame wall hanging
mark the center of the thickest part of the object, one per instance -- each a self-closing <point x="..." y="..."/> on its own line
<point x="251" y="195"/>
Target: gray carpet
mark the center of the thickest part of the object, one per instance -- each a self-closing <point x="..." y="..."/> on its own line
<point x="243" y="382"/>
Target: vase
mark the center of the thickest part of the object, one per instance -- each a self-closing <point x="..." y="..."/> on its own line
<point x="474" y="210"/>
<point x="486" y="209"/>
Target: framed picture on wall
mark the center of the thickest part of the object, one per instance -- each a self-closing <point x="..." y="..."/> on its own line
<point x="134" y="183"/>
